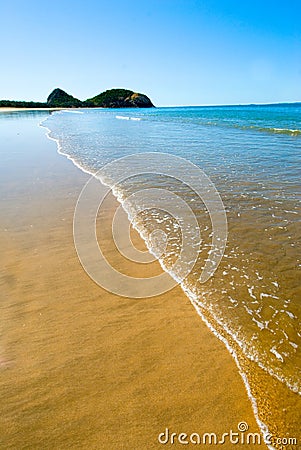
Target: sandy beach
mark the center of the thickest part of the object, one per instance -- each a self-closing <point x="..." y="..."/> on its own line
<point x="150" y="211"/>
<point x="8" y="109"/>
<point x="80" y="367"/>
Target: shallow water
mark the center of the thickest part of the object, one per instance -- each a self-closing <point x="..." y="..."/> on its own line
<point x="80" y="367"/>
<point x="252" y="155"/>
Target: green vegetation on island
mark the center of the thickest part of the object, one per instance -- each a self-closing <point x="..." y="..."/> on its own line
<point x="18" y="104"/>
<point x="120" y="98"/>
<point x="59" y="98"/>
<point x="112" y="98"/>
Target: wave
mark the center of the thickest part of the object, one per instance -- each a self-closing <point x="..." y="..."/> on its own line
<point x="200" y="310"/>
<point x="240" y="126"/>
<point x="226" y="335"/>
<point x="273" y="130"/>
<point x="127" y="118"/>
<point x="60" y="150"/>
<point x="122" y="117"/>
<point x="276" y="130"/>
<point x="190" y="292"/>
<point x="72" y="112"/>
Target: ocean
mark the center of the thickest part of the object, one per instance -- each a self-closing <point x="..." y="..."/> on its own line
<point x="252" y="157"/>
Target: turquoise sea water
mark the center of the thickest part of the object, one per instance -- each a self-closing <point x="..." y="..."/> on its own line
<point x="252" y="154"/>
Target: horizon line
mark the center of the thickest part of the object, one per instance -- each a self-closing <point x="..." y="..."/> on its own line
<point x="231" y="104"/>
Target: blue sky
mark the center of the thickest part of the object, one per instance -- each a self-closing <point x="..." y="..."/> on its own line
<point x="179" y="52"/>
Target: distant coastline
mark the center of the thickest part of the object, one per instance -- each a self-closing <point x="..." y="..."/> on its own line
<point x="112" y="98"/>
<point x="235" y="105"/>
<point x="48" y="108"/>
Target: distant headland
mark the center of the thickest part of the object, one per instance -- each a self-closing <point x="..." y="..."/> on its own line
<point x="112" y="98"/>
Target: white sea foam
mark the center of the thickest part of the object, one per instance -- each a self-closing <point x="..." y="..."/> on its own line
<point x="71" y="111"/>
<point x="122" y="117"/>
<point x="128" y="118"/>
<point x="59" y="147"/>
<point x="293" y="344"/>
<point x="196" y="303"/>
<point x="277" y="354"/>
<point x="290" y="314"/>
<point x="285" y="130"/>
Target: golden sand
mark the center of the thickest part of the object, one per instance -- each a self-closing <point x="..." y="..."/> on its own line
<point x="81" y="367"/>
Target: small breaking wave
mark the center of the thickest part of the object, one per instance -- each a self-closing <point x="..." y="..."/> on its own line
<point x="278" y="130"/>
<point x="72" y="112"/>
<point x="127" y="118"/>
<point x="286" y="131"/>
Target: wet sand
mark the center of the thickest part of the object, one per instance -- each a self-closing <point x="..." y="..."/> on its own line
<point x="80" y="367"/>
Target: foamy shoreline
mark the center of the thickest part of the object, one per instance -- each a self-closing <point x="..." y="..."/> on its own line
<point x="251" y="371"/>
<point x="221" y="336"/>
<point x="125" y="358"/>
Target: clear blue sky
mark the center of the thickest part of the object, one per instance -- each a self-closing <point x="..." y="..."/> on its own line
<point x="179" y="52"/>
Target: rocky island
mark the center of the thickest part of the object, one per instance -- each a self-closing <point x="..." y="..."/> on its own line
<point x="112" y="98"/>
<point x="120" y="98"/>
